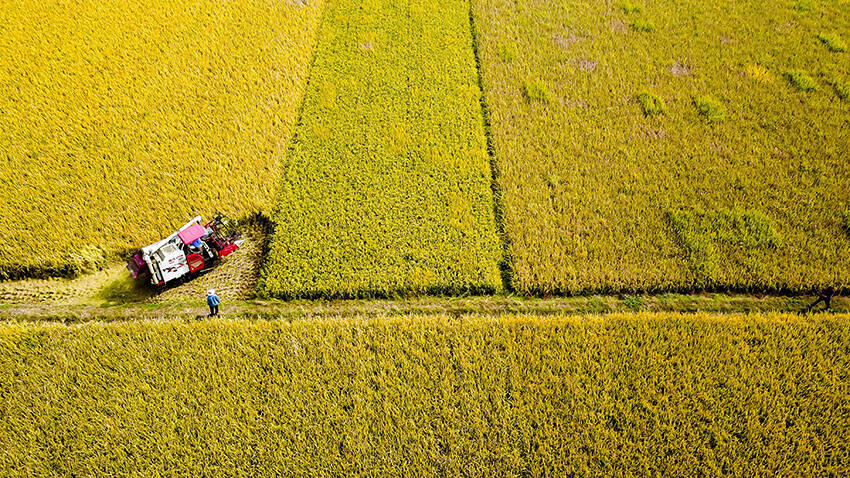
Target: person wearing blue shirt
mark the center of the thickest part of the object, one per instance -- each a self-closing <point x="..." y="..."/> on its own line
<point x="213" y="301"/>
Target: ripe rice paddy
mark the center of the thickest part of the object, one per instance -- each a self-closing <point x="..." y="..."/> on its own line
<point x="652" y="146"/>
<point x="387" y="187"/>
<point x="119" y="121"/>
<point x="641" y="394"/>
<point x="636" y="146"/>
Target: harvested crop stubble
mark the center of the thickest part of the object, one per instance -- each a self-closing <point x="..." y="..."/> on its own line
<point x="646" y="394"/>
<point x="387" y="188"/>
<point x="750" y="142"/>
<point x="121" y="120"/>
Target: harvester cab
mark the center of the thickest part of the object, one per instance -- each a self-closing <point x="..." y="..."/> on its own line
<point x="191" y="250"/>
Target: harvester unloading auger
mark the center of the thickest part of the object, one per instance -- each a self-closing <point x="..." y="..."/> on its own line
<point x="192" y="250"/>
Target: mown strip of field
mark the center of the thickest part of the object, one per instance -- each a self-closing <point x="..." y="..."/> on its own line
<point x="387" y="187"/>
<point x="663" y="146"/>
<point x="616" y="395"/>
<point x="122" y="120"/>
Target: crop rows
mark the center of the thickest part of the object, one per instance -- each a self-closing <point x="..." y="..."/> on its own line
<point x="622" y="395"/>
<point x="121" y="120"/>
<point x="629" y="137"/>
<point x="637" y="146"/>
<point x="387" y="187"/>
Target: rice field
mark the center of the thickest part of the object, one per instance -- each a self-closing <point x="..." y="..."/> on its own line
<point x="387" y="187"/>
<point x="625" y="394"/>
<point x="616" y="147"/>
<point x="660" y="146"/>
<point x="122" y="120"/>
<point x="415" y="147"/>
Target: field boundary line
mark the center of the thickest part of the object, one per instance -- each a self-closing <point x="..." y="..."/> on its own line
<point x="710" y="303"/>
<point x="299" y="118"/>
<point x="495" y="175"/>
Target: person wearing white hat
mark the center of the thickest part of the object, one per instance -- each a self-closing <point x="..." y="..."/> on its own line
<point x="213" y="301"/>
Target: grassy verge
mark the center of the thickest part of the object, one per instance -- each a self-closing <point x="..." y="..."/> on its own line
<point x="518" y="395"/>
<point x="195" y="308"/>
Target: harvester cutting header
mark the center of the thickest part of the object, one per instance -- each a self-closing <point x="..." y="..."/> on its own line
<point x="192" y="250"/>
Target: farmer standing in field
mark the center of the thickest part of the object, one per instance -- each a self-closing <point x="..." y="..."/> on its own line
<point x="825" y="297"/>
<point x="213" y="301"/>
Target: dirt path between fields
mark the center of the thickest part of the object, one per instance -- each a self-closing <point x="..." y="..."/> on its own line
<point x="195" y="308"/>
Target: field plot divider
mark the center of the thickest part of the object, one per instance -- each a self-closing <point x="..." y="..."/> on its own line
<point x="295" y="128"/>
<point x="300" y="117"/>
<point x="505" y="265"/>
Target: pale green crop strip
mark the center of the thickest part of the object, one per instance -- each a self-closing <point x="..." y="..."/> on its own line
<point x="121" y="120"/>
<point x="609" y="117"/>
<point x="387" y="187"/>
<point x="621" y="395"/>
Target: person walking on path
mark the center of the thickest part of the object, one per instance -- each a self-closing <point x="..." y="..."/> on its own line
<point x="825" y="297"/>
<point x="213" y="301"/>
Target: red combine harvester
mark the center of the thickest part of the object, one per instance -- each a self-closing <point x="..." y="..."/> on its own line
<point x="190" y="251"/>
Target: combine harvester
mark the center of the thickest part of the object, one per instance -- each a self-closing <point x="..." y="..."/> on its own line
<point x="191" y="251"/>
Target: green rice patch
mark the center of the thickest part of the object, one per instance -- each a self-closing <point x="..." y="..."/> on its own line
<point x="507" y="52"/>
<point x="710" y="237"/>
<point x="710" y="109"/>
<point x="802" y="81"/>
<point x="803" y="7"/>
<point x="833" y="42"/>
<point x="650" y="104"/>
<point x="644" y="26"/>
<point x="629" y="7"/>
<point x="535" y="90"/>
<point x="553" y="180"/>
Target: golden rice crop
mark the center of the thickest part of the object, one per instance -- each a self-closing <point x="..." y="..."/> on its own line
<point x="387" y="188"/>
<point x="721" y="106"/>
<point x="622" y="395"/>
<point x="121" y="120"/>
